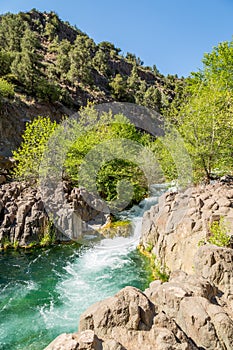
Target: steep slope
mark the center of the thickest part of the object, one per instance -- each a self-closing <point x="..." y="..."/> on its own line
<point x="48" y="67"/>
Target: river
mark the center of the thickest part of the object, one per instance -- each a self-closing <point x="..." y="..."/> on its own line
<point x="44" y="291"/>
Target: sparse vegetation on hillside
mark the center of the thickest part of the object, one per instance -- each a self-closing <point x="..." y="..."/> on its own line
<point x="50" y="60"/>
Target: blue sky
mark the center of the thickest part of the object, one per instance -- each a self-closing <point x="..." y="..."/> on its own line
<point x="171" y="34"/>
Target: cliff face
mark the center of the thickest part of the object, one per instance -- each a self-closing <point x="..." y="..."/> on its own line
<point x="176" y="226"/>
<point x="24" y="217"/>
<point x="14" y="115"/>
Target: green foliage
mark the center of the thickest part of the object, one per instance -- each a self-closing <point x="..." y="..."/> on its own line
<point x="165" y="159"/>
<point x="204" y="114"/>
<point x="48" y="235"/>
<point x="6" y="89"/>
<point x="149" y="247"/>
<point x="27" y="62"/>
<point x="119" y="88"/>
<point x="133" y="59"/>
<point x="63" y="61"/>
<point x="6" y="59"/>
<point x="81" y="60"/>
<point x="109" y="49"/>
<point x="110" y="172"/>
<point x="152" y="98"/>
<point x="100" y="62"/>
<point x="28" y="156"/>
<point x="160" y="271"/>
<point x="48" y="91"/>
<point x="11" y="30"/>
<point x="133" y="81"/>
<point x="219" y="233"/>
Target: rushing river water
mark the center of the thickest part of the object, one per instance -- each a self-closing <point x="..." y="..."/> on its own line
<point x="44" y="292"/>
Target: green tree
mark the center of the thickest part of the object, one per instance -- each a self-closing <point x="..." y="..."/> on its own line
<point x="63" y="61"/>
<point x="26" y="65"/>
<point x="81" y="60"/>
<point x="119" y="88"/>
<point x="110" y="50"/>
<point x="28" y="156"/>
<point x="133" y="81"/>
<point x="11" y="31"/>
<point x="110" y="172"/>
<point x="6" y="89"/>
<point x="205" y="116"/>
<point x="100" y="62"/>
<point x="6" y="59"/>
<point x="153" y="98"/>
<point x="139" y="95"/>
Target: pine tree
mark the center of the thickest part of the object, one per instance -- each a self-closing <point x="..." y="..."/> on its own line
<point x="27" y="62"/>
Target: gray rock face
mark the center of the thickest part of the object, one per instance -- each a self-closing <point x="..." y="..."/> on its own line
<point x="216" y="264"/>
<point x="180" y="221"/>
<point x="24" y="218"/>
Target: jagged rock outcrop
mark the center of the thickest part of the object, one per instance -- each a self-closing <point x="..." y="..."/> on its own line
<point x="188" y="312"/>
<point x="175" y="227"/>
<point x="24" y="212"/>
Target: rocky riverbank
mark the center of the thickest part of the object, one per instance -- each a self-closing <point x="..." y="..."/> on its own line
<point x="188" y="312"/>
<point x="180" y="222"/>
<point x="194" y="309"/>
<point x="24" y="220"/>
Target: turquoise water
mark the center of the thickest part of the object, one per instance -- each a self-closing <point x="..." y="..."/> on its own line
<point x="44" y="292"/>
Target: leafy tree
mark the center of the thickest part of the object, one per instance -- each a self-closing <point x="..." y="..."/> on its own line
<point x="11" y="31"/>
<point x="133" y="59"/>
<point x="139" y="95"/>
<point x="109" y="49"/>
<point x="219" y="64"/>
<point x="205" y="116"/>
<point x="110" y="172"/>
<point x="6" y="59"/>
<point x="29" y="154"/>
<point x="48" y="91"/>
<point x="51" y="26"/>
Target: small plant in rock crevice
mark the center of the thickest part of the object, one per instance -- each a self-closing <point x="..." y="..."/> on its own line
<point x="219" y="233"/>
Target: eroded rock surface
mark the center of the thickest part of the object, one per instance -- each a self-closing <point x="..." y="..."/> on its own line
<point x="24" y="218"/>
<point x="180" y="221"/>
<point x="185" y="313"/>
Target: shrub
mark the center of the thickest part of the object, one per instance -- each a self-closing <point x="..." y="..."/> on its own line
<point x="6" y="89"/>
<point x="219" y="233"/>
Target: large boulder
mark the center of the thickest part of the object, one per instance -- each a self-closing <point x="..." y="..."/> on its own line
<point x="185" y="313"/>
<point x="216" y="264"/>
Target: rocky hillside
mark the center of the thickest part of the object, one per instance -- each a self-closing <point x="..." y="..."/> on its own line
<point x="50" y="68"/>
